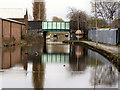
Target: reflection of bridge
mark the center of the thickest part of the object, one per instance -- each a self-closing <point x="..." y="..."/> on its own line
<point x="55" y="58"/>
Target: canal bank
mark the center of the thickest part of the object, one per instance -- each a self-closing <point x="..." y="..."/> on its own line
<point x="108" y="51"/>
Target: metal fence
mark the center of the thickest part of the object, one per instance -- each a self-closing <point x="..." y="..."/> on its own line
<point x="105" y="36"/>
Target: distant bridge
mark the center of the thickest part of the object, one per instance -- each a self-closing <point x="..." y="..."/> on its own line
<point x="48" y="26"/>
<point x="55" y="26"/>
<point x="35" y="27"/>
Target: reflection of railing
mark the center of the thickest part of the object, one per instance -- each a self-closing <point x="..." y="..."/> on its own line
<point x="55" y="58"/>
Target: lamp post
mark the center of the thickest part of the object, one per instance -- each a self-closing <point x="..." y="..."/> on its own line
<point x="78" y="26"/>
<point x="96" y="24"/>
<point x="39" y="11"/>
<point x="118" y="29"/>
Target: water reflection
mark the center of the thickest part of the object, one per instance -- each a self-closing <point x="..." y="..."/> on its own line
<point x="38" y="75"/>
<point x="12" y="56"/>
<point x="60" y="66"/>
<point x="78" y="59"/>
<point x="105" y="75"/>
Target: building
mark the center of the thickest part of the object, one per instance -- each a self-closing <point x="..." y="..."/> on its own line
<point x="17" y="14"/>
<point x="13" y="25"/>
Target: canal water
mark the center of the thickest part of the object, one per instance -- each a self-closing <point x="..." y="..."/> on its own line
<point x="55" y="65"/>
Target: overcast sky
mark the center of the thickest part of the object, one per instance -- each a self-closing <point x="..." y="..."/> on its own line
<point x="57" y="8"/>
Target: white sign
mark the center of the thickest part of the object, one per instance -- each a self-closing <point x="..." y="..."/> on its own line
<point x="38" y="0"/>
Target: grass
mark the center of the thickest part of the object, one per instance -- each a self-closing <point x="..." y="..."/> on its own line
<point x="33" y="39"/>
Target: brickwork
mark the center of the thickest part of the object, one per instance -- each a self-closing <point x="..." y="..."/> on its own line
<point x="6" y="30"/>
<point x="10" y="31"/>
<point x="24" y="31"/>
<point x="16" y="32"/>
<point x="0" y="32"/>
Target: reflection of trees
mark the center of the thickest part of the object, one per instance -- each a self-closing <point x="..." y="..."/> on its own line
<point x="105" y="75"/>
<point x="38" y="73"/>
<point x="38" y="67"/>
<point x="78" y="58"/>
<point x="24" y="57"/>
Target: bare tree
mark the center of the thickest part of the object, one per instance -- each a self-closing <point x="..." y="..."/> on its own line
<point x="78" y="19"/>
<point x="36" y="8"/>
<point x="105" y="9"/>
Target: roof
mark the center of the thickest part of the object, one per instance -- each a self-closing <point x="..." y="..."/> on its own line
<point x="12" y="21"/>
<point x="12" y="12"/>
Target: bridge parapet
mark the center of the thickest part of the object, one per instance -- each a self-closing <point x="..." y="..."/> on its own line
<point x="55" y="26"/>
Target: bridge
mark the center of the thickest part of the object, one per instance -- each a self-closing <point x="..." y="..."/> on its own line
<point x="55" y="26"/>
<point x="35" y="27"/>
<point x="48" y="26"/>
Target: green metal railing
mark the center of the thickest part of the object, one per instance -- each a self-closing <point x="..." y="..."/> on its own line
<point x="55" y="26"/>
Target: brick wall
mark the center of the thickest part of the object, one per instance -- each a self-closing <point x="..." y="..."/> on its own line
<point x="24" y="31"/>
<point x="6" y="30"/>
<point x="10" y="31"/>
<point x="16" y="32"/>
<point x="0" y="33"/>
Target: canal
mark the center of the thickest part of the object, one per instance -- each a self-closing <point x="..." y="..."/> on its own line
<point x="55" y="65"/>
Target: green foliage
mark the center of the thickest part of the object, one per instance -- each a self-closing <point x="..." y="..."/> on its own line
<point x="115" y="23"/>
<point x="57" y="19"/>
<point x="32" y="39"/>
<point x="100" y="22"/>
<point x="23" y="37"/>
<point x="13" y="38"/>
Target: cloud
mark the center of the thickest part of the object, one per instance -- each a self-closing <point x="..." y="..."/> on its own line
<point x="53" y="7"/>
